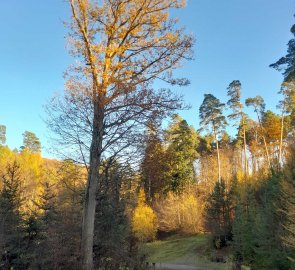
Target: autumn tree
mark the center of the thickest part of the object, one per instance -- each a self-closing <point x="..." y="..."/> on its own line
<point x="259" y="106"/>
<point x="276" y="128"/>
<point x="121" y="48"/>
<point x="234" y="102"/>
<point x="144" y="220"/>
<point x="211" y="115"/>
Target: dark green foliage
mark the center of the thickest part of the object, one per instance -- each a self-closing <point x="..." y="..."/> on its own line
<point x="112" y="233"/>
<point x="181" y="153"/>
<point x="154" y="164"/>
<point x="234" y="102"/>
<point x="257" y="103"/>
<point x="286" y="64"/>
<point x="11" y="225"/>
<point x="257" y="226"/>
<point x="287" y="207"/>
<point x="211" y="113"/>
<point x="206" y="144"/>
<point x="219" y="212"/>
<point x="47" y="239"/>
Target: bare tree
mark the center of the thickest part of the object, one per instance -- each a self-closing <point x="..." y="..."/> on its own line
<point x="121" y="48"/>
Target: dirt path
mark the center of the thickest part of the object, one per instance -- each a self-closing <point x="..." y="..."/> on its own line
<point x="170" y="266"/>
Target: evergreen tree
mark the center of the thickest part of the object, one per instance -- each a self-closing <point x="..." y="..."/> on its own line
<point x="2" y="134"/>
<point x="259" y="107"/>
<point x="234" y="93"/>
<point x="288" y="207"/>
<point x="286" y="64"/>
<point x="211" y="114"/>
<point x="112" y="230"/>
<point x="181" y="153"/>
<point x="45" y="245"/>
<point x="11" y="225"/>
<point x="154" y="164"/>
<point x="257" y="226"/>
<point x="31" y="141"/>
<point x="219" y="214"/>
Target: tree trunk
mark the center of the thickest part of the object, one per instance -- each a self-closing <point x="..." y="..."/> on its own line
<point x="91" y="191"/>
<point x="218" y="156"/>
<point x="281" y="141"/>
<point x="245" y="149"/>
<point x="264" y="141"/>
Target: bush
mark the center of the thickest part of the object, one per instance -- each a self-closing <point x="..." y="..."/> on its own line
<point x="144" y="220"/>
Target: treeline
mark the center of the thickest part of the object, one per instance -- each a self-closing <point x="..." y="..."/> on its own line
<point x="240" y="189"/>
<point x="252" y="211"/>
<point x="41" y="204"/>
<point x="40" y="208"/>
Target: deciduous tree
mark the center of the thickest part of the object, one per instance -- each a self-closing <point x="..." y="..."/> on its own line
<point x="121" y="48"/>
<point x="144" y="220"/>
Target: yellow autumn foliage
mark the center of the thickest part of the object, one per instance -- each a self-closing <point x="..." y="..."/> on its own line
<point x="144" y="220"/>
<point x="181" y="212"/>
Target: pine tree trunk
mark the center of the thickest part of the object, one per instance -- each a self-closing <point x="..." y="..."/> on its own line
<point x="218" y="155"/>
<point x="281" y="141"/>
<point x="264" y="141"/>
<point x="245" y="149"/>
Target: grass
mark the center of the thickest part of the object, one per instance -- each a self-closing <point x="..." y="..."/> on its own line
<point x="191" y="250"/>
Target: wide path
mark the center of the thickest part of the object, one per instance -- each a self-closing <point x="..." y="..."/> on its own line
<point x="170" y="266"/>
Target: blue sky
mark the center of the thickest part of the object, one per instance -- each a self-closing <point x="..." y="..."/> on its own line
<point x="235" y="39"/>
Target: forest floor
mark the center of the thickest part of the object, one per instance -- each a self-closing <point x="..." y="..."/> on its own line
<point x="186" y="253"/>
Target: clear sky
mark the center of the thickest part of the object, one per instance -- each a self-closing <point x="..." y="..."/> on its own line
<point x="235" y="39"/>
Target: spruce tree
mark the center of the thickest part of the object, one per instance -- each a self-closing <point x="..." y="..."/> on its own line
<point x="12" y="224"/>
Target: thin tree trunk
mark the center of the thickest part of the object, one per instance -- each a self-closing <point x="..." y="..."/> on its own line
<point x="264" y="141"/>
<point x="218" y="156"/>
<point x="149" y="189"/>
<point x="245" y="149"/>
<point x="281" y="141"/>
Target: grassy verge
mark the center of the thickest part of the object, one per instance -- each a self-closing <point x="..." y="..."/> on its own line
<point x="192" y="250"/>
